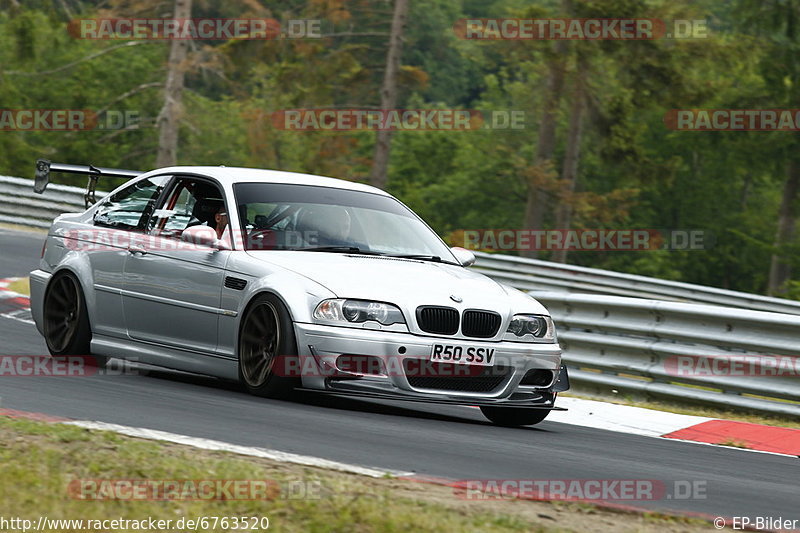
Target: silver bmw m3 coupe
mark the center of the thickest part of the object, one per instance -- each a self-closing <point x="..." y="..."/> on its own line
<point x="289" y="282"/>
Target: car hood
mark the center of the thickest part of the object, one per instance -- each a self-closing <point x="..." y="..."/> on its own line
<point x="404" y="282"/>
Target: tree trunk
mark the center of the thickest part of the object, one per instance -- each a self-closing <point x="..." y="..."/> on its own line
<point x="168" y="120"/>
<point x="538" y="199"/>
<point x="569" y="173"/>
<point x="780" y="269"/>
<point x="64" y="6"/>
<point x="383" y="141"/>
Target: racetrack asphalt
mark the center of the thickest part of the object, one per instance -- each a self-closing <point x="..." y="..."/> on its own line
<point x="450" y="442"/>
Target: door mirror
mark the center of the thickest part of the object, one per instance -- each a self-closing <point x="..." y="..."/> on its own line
<point x="203" y="236"/>
<point x="463" y="256"/>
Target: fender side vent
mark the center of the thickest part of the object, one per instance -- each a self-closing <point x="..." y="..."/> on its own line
<point x="236" y="284"/>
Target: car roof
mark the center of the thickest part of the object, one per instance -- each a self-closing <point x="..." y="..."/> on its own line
<point x="231" y="175"/>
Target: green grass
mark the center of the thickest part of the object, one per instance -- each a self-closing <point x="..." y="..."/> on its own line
<point x="38" y="461"/>
<point x="21" y="286"/>
<point x="733" y="443"/>
<point x="17" y="227"/>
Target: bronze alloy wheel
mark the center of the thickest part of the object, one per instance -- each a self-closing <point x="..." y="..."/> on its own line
<point x="266" y="342"/>
<point x="260" y="339"/>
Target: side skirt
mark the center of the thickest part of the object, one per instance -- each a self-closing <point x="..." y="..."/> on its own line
<point x="154" y="354"/>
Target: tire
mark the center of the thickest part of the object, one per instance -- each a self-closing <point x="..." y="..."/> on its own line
<point x="67" y="331"/>
<point x="514" y="416"/>
<point x="265" y="334"/>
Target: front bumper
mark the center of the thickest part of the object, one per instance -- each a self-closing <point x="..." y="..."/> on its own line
<point x="405" y="371"/>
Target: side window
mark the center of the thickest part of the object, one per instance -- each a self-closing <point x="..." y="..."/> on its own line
<point x="191" y="203"/>
<point x="131" y="207"/>
<point x="171" y="221"/>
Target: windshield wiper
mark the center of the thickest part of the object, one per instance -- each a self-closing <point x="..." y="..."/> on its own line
<point x="423" y="257"/>
<point x="338" y="249"/>
<point x="359" y="251"/>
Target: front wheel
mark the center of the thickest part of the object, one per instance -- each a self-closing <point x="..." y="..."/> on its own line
<point x="266" y="340"/>
<point x="514" y="416"/>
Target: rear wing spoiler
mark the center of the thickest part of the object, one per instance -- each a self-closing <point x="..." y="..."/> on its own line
<point x="44" y="167"/>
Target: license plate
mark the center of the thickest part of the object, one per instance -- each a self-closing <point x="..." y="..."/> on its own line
<point x="465" y="355"/>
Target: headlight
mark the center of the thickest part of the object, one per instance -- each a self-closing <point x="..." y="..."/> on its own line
<point x="531" y="328"/>
<point x="358" y="311"/>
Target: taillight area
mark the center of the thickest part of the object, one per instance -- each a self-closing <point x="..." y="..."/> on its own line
<point x="44" y="247"/>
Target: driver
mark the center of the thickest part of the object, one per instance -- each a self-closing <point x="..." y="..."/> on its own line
<point x="220" y="220"/>
<point x="222" y="225"/>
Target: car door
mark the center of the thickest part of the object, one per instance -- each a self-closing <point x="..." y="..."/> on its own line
<point x="172" y="289"/>
<point x="119" y="218"/>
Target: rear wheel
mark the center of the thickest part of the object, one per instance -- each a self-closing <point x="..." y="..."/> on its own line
<point x="266" y="342"/>
<point x="66" y="321"/>
<point x="514" y="416"/>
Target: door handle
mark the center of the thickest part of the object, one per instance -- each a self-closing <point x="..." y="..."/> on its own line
<point x="135" y="250"/>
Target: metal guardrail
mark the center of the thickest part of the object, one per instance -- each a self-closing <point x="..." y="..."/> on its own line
<point x="683" y="352"/>
<point x="532" y="274"/>
<point x="619" y="331"/>
<point x="20" y="205"/>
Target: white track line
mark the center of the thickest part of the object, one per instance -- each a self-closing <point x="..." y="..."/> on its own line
<point x="7" y="295"/>
<point x="265" y="453"/>
<point x="632" y="420"/>
<point x="621" y="418"/>
<point x="13" y="316"/>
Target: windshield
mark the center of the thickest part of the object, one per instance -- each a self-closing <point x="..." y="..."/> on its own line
<point x="302" y="217"/>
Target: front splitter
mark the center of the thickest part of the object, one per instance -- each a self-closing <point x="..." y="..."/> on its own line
<point x="343" y="390"/>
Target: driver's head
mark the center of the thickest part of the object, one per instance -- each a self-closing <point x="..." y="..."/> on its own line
<point x="332" y="222"/>
<point x="220" y="219"/>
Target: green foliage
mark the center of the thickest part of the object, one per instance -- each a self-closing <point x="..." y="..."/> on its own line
<point x="634" y="172"/>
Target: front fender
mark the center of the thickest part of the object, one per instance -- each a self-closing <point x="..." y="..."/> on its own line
<point x="299" y="294"/>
